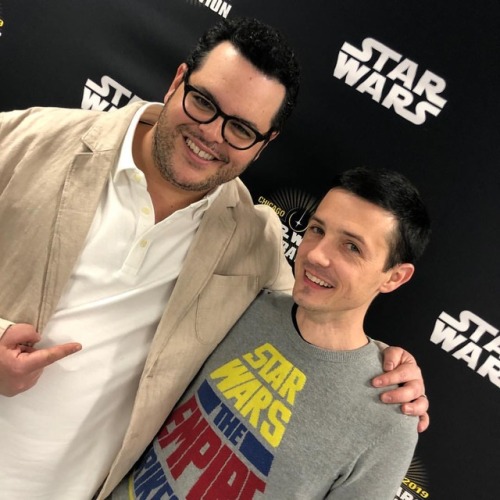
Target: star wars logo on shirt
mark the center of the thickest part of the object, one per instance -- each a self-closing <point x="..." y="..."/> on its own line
<point x="392" y="85"/>
<point x="106" y="96"/>
<point x="479" y="348"/>
<point x="221" y="440"/>
<point x="294" y="207"/>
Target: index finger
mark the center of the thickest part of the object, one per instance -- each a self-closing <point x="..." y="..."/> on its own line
<point x="399" y="375"/>
<point x="40" y="358"/>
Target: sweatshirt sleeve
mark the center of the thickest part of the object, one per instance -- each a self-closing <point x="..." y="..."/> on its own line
<point x="380" y="470"/>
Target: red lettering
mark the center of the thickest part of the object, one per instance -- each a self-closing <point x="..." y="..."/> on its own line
<point x="232" y="482"/>
<point x="252" y="485"/>
<point x="179" y="416"/>
<point x="200" y="453"/>
<point x="203" y="483"/>
<point x="185" y="433"/>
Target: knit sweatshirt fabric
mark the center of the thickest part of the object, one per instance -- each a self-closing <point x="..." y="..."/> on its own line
<point x="272" y="416"/>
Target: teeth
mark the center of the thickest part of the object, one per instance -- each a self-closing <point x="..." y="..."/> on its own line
<point x="318" y="281"/>
<point x="197" y="151"/>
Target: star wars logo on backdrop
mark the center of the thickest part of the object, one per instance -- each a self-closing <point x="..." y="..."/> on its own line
<point x="106" y="95"/>
<point x="294" y="207"/>
<point x="477" y="344"/>
<point x="391" y="80"/>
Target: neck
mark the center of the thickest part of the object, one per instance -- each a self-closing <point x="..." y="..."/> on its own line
<point x="341" y="333"/>
<point x="166" y="198"/>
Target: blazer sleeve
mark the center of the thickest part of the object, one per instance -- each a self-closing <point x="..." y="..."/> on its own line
<point x="4" y="324"/>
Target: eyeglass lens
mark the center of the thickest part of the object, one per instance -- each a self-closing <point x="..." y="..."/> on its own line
<point x="202" y="110"/>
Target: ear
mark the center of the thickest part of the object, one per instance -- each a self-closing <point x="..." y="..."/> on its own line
<point x="264" y="145"/>
<point x="179" y="77"/>
<point x="398" y="276"/>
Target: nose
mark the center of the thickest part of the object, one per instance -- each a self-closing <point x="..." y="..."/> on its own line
<point x="319" y="255"/>
<point x="212" y="131"/>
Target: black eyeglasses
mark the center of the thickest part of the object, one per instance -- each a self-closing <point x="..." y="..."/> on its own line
<point x="202" y="109"/>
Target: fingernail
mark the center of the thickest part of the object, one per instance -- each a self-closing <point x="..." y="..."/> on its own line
<point x="386" y="398"/>
<point x="377" y="382"/>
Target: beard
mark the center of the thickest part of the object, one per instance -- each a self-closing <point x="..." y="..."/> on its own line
<point x="164" y="140"/>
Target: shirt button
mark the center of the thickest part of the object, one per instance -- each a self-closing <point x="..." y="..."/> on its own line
<point x="143" y="243"/>
<point x="137" y="177"/>
<point x="146" y="210"/>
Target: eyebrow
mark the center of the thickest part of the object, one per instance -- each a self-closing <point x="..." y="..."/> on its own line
<point x="209" y="94"/>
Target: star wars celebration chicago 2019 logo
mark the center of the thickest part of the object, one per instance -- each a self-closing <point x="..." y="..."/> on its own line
<point x="294" y="207"/>
<point x="415" y="485"/>
<point x="392" y="81"/>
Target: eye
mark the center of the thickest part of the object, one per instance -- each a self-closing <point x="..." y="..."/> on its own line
<point x="240" y="130"/>
<point x="353" y="248"/>
<point x="201" y="102"/>
<point x="315" y="230"/>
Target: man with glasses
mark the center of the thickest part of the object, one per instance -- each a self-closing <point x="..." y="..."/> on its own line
<point x="131" y="233"/>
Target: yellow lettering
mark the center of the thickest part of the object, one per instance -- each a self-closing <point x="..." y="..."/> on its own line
<point x="260" y="401"/>
<point x="293" y="384"/>
<point x="276" y="371"/>
<point x="261" y="356"/>
<point x="233" y="373"/>
<point x="242" y="393"/>
<point x="274" y="429"/>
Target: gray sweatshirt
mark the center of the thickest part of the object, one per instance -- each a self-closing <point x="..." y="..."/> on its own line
<point x="272" y="416"/>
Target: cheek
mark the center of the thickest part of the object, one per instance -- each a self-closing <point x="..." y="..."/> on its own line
<point x="301" y="251"/>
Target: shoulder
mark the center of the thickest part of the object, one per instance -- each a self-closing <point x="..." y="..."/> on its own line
<point x="271" y="305"/>
<point x="235" y="195"/>
<point x="44" y="121"/>
<point x="38" y="118"/>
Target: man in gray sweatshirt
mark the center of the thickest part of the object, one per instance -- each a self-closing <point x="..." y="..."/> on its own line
<point x="284" y="407"/>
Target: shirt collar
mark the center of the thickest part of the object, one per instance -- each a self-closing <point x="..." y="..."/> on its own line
<point x="148" y="113"/>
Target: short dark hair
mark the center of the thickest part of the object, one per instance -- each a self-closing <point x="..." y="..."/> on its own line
<point x="264" y="46"/>
<point x="393" y="192"/>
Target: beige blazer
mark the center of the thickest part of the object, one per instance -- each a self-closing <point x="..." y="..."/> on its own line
<point x="54" y="165"/>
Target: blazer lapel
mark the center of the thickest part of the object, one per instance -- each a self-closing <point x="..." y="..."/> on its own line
<point x="207" y="248"/>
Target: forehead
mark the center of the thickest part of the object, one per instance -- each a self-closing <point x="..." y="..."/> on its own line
<point x="237" y="85"/>
<point x="343" y="211"/>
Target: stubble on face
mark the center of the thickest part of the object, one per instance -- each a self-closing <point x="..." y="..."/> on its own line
<point x="164" y="143"/>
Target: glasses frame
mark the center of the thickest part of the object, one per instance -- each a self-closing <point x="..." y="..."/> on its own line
<point x="218" y="112"/>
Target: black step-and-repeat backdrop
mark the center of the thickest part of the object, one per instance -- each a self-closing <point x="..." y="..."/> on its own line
<point x="410" y="85"/>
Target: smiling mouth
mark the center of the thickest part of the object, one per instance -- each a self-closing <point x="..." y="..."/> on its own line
<point x="317" y="280"/>
<point x="203" y="155"/>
